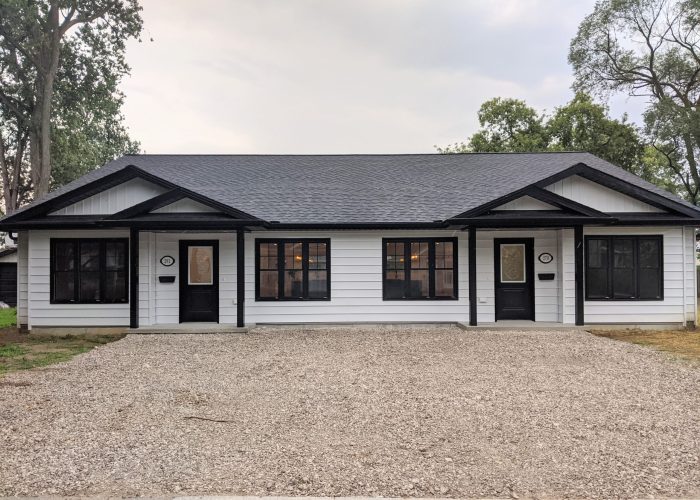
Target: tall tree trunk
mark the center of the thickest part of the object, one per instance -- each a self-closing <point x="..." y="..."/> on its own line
<point x="11" y="171"/>
<point x="40" y="121"/>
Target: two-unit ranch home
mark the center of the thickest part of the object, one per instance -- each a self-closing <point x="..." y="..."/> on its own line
<point x="152" y="241"/>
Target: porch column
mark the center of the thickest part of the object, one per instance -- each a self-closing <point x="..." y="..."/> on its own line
<point x="471" y="249"/>
<point x="578" y="273"/>
<point x="134" y="278"/>
<point x="240" y="278"/>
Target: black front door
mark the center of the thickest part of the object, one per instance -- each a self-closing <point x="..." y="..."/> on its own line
<point x="199" y="281"/>
<point x="514" y="269"/>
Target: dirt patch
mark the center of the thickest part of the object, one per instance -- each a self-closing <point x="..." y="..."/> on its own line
<point x="11" y="335"/>
<point x="684" y="344"/>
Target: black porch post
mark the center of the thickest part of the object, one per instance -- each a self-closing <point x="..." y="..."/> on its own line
<point x="471" y="249"/>
<point x="578" y="272"/>
<point x="134" y="278"/>
<point x="240" y="278"/>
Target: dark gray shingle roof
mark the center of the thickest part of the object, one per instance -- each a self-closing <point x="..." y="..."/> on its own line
<point x="358" y="188"/>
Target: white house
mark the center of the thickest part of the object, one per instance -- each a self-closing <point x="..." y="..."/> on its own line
<point x="158" y="240"/>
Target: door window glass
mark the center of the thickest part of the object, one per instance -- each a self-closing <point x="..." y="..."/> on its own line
<point x="200" y="265"/>
<point x="512" y="263"/>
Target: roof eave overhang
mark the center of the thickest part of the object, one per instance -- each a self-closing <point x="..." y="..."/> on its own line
<point x="537" y="190"/>
<point x="122" y="175"/>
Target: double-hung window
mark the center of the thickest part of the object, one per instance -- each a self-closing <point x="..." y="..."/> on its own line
<point x="420" y="268"/>
<point x="624" y="268"/>
<point x="89" y="271"/>
<point x="292" y="269"/>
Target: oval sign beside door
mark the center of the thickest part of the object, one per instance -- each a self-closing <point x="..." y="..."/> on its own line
<point x="545" y="258"/>
<point x="167" y="260"/>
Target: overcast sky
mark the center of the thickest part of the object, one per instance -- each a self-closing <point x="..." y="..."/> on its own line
<point x="340" y="76"/>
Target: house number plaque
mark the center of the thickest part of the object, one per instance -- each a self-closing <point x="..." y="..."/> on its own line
<point x="545" y="258"/>
<point x="167" y="260"/>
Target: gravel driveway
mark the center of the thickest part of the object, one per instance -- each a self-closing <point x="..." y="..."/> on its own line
<point x="355" y="411"/>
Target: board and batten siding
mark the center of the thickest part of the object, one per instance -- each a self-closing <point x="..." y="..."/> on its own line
<point x="526" y="203"/>
<point x="114" y="199"/>
<point x="596" y="196"/>
<point x="40" y="310"/>
<point x="185" y="205"/>
<point x="679" y="282"/>
<point x="356" y="284"/>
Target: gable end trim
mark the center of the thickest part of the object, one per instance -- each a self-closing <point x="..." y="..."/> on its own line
<point x="114" y="179"/>
<point x="621" y="186"/>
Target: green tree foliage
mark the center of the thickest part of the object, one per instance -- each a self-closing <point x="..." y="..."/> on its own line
<point x="651" y="49"/>
<point x="510" y="125"/>
<point x="582" y="125"/>
<point x="61" y="62"/>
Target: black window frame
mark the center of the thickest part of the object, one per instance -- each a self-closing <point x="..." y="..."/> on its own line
<point x="280" y="269"/>
<point x="76" y="269"/>
<point x="636" y="269"/>
<point x="431" y="267"/>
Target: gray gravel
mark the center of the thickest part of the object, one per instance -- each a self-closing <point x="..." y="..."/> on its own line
<point x="355" y="411"/>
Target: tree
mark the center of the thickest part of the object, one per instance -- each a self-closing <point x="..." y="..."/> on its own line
<point x="510" y="125"/>
<point x="651" y="49"/>
<point x="507" y="125"/>
<point x="36" y="39"/>
<point x="582" y="125"/>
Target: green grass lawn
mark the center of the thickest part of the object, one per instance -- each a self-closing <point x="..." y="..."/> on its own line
<point x="8" y="317"/>
<point x="22" y="352"/>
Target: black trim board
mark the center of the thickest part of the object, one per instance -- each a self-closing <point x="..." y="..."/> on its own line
<point x="134" y="278"/>
<point x="146" y="206"/>
<point x="609" y="181"/>
<point x="240" y="278"/>
<point x="581" y="169"/>
<point x="123" y="175"/>
<point x="564" y="203"/>
<point x="571" y="207"/>
<point x="74" y="195"/>
<point x="471" y="243"/>
<point x="578" y="274"/>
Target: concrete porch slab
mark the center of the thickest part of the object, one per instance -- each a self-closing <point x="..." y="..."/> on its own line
<point x="189" y="328"/>
<point x="536" y="325"/>
<point x="520" y="325"/>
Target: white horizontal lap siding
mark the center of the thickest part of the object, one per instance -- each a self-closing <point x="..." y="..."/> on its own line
<point x="145" y="284"/>
<point x="166" y="296"/>
<point x="356" y="284"/>
<point x="41" y="311"/>
<point x="114" y="199"/>
<point x="22" y="278"/>
<point x="599" y="197"/>
<point x="567" y="294"/>
<point x="546" y="292"/>
<point x="669" y="310"/>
